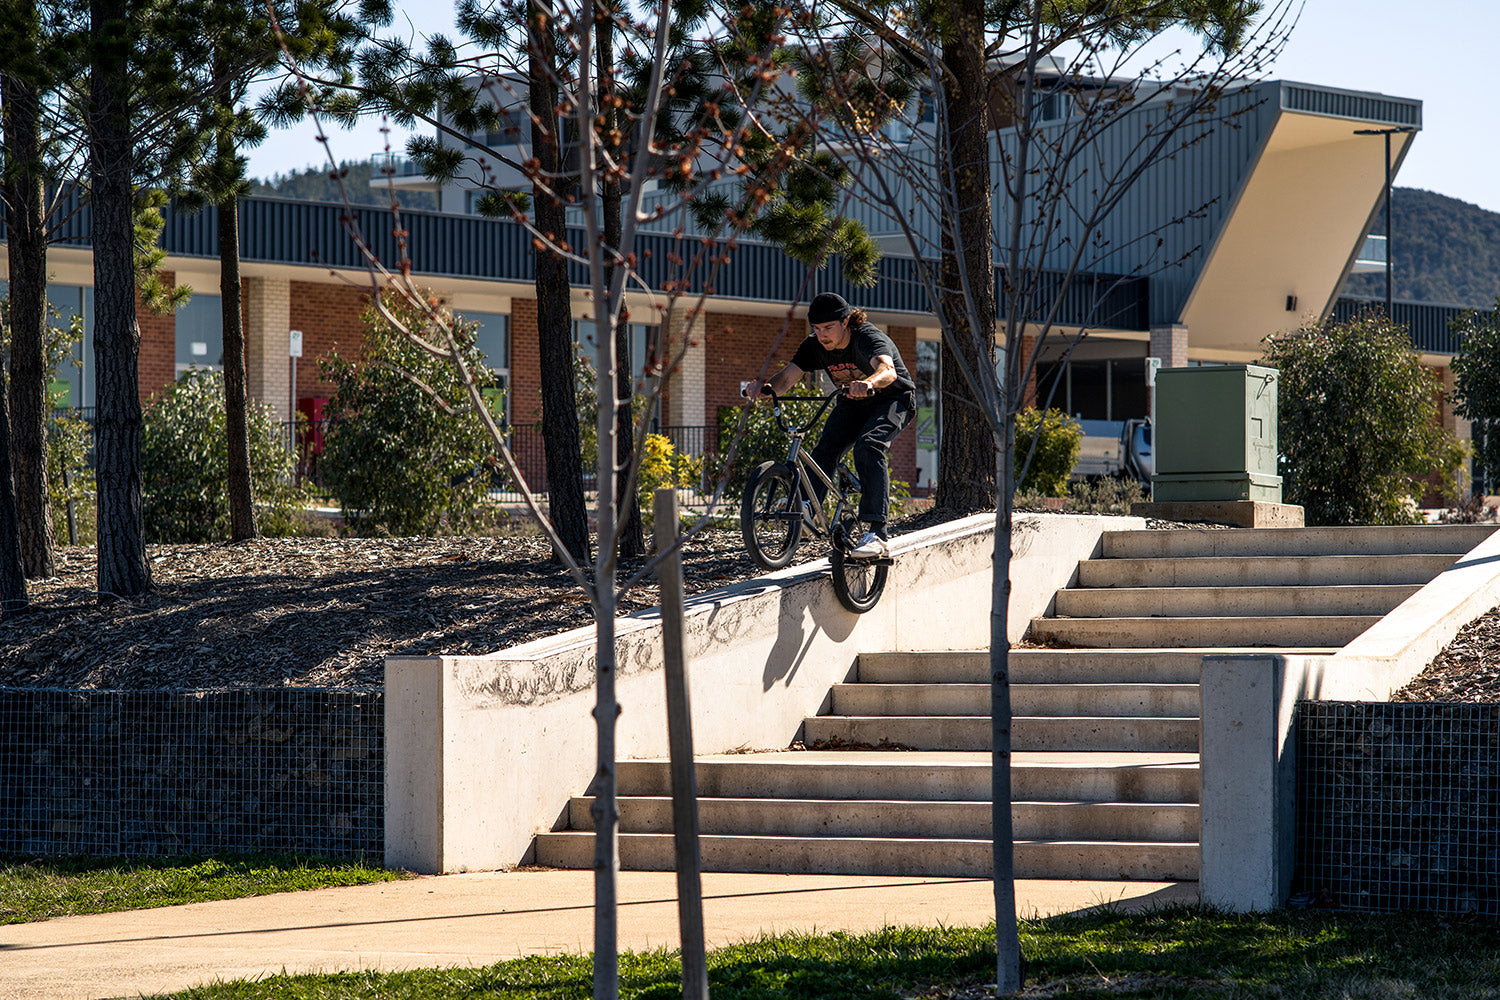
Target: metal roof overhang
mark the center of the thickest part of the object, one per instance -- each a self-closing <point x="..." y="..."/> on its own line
<point x="1298" y="220"/>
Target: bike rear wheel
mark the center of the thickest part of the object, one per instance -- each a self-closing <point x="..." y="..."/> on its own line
<point x="858" y="583"/>
<point x="771" y="515"/>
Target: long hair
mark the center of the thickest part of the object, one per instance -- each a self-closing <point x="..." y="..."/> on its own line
<point x="857" y="318"/>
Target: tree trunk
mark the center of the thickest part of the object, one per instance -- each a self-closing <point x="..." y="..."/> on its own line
<point x="1008" y="961"/>
<point x="554" y="306"/>
<point x="13" y="597"/>
<point x="123" y="570"/>
<point x="632" y="532"/>
<point x="966" y="467"/>
<point x="27" y="239"/>
<point x="242" y="520"/>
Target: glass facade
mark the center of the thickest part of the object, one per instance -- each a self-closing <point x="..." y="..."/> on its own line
<point x="1106" y="389"/>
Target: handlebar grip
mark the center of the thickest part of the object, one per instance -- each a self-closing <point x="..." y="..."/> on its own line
<point x="766" y="390"/>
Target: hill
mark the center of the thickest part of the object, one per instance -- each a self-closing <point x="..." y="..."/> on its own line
<point x="314" y="184"/>
<point x="1445" y="250"/>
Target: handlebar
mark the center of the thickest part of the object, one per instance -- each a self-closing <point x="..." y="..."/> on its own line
<point x="823" y="401"/>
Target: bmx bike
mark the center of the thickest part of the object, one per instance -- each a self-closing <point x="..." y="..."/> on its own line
<point x="779" y="505"/>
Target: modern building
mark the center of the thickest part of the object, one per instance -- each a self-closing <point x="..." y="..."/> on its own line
<point x="1262" y="222"/>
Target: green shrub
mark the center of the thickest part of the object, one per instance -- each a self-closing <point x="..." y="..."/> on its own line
<point x="185" y="463"/>
<point x="70" y="478"/>
<point x="764" y="441"/>
<point x="1359" y="429"/>
<point x="396" y="461"/>
<point x="1057" y="439"/>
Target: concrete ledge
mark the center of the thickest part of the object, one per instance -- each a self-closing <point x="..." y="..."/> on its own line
<point x="1240" y="513"/>
<point x="1248" y="705"/>
<point x="482" y="753"/>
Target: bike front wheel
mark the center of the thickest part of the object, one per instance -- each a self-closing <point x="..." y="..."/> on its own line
<point x="771" y="516"/>
<point x="857" y="582"/>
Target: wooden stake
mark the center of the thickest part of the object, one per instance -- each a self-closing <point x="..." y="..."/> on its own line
<point x="680" y="751"/>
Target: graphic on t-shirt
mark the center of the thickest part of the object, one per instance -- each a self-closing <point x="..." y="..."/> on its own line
<point x="843" y="374"/>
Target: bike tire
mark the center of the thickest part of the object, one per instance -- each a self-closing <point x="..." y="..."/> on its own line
<point x="770" y="533"/>
<point x="858" y="583"/>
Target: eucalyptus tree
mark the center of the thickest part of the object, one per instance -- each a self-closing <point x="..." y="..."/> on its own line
<point x="1044" y="115"/>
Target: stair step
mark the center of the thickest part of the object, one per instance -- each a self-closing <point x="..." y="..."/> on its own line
<point x="1129" y="821"/>
<point x="1272" y="631"/>
<point x="1214" y="602"/>
<point x="1162" y="735"/>
<point x="885" y="856"/>
<point x="936" y="776"/>
<point x="1255" y="571"/>
<point x="1453" y="539"/>
<point x="1026" y="699"/>
<point x="1050" y="666"/>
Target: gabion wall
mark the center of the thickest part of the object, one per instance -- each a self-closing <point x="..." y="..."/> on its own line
<point x="149" y="773"/>
<point x="1398" y="806"/>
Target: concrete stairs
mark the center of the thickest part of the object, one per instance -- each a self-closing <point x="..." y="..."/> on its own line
<point x="1104" y="724"/>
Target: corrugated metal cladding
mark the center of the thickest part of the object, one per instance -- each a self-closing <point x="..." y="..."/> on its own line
<point x="1375" y="108"/>
<point x="1430" y="324"/>
<point x="1167" y="212"/>
<point x="465" y="246"/>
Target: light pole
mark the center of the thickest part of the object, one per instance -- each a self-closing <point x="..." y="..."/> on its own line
<point x="1387" y="132"/>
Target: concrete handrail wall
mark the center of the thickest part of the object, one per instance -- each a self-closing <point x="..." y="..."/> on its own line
<point x="483" y="752"/>
<point x="1247" y="809"/>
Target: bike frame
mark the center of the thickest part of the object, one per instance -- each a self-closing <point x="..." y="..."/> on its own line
<point x="798" y="458"/>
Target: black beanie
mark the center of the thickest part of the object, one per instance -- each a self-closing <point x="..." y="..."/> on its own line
<point x="827" y="307"/>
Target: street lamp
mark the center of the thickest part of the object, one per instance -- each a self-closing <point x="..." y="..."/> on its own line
<point x="1387" y="132"/>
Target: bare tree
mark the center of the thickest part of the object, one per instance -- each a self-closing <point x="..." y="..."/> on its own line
<point x="572" y="108"/>
<point x="1082" y="117"/>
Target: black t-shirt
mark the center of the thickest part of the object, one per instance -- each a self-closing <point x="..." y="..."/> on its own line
<point x="856" y="361"/>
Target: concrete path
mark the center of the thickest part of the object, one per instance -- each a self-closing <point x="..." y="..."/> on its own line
<point x="473" y="920"/>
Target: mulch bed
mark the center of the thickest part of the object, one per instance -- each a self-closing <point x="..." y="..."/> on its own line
<point x="1467" y="670"/>
<point x="326" y="612"/>
<point x="322" y="612"/>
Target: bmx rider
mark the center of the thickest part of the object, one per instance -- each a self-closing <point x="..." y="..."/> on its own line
<point x="880" y="400"/>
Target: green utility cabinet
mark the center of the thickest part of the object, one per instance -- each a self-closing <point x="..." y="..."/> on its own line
<point x="1215" y="434"/>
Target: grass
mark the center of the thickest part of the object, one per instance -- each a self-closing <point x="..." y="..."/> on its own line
<point x="1170" y="954"/>
<point x="42" y="888"/>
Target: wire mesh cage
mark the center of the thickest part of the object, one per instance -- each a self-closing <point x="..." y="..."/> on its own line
<point x="150" y="773"/>
<point x="1398" y="806"/>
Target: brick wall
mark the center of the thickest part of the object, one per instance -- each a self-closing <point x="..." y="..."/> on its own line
<point x="328" y="316"/>
<point x="735" y="348"/>
<point x="158" y="359"/>
<point x="525" y="364"/>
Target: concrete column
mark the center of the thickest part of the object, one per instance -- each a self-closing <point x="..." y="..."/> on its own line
<point x="1170" y="343"/>
<point x="268" y="318"/>
<point x="687" y="383"/>
<point x="1247" y="802"/>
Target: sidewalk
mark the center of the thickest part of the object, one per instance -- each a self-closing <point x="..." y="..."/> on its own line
<point x="472" y="920"/>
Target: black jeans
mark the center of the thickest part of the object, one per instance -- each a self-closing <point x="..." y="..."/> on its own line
<point x="868" y="426"/>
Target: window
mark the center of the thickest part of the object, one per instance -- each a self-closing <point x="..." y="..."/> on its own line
<point x="493" y="338"/>
<point x="73" y="383"/>
<point x="200" y="334"/>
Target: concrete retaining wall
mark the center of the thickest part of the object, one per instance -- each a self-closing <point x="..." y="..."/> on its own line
<point x="1249" y="704"/>
<point x="482" y="753"/>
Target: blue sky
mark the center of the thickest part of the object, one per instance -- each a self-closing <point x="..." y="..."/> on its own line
<point x="1394" y="47"/>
